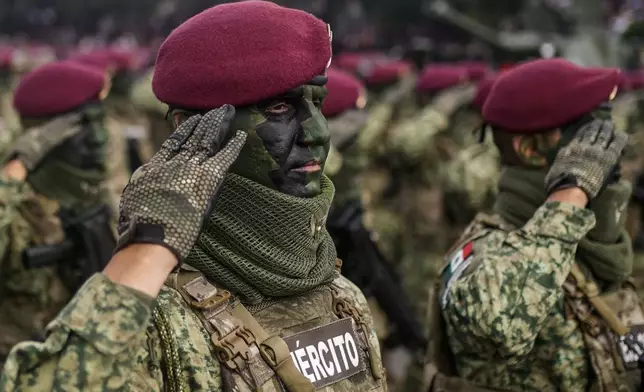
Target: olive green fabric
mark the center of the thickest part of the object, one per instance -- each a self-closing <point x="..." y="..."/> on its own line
<point x="262" y="243"/>
<point x="70" y="185"/>
<point x="606" y="251"/>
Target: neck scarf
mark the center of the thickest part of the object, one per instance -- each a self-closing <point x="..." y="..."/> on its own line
<point x="261" y="243"/>
<point x="70" y="185"/>
<point x="605" y="252"/>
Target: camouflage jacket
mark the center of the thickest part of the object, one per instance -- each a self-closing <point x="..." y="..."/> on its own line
<point x="29" y="297"/>
<point x="510" y="318"/>
<point x="111" y="338"/>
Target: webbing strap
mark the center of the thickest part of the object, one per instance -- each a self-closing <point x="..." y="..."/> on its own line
<point x="274" y="351"/>
<point x="591" y="291"/>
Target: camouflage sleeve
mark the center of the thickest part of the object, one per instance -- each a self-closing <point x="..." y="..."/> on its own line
<point x="499" y="306"/>
<point x="415" y="136"/>
<point x="12" y="193"/>
<point x="93" y="345"/>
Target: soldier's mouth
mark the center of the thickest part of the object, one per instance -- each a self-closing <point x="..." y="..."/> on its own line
<point x="309" y="167"/>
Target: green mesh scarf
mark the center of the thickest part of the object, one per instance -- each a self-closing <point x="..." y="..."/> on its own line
<point x="261" y="243"/>
<point x="70" y="185"/>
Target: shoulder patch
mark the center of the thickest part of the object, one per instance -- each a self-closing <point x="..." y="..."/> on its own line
<point x="455" y="268"/>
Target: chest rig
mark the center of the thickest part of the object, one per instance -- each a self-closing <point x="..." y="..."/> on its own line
<point x="612" y="325"/>
<point x="253" y="354"/>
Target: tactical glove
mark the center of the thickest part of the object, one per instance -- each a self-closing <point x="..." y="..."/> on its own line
<point x="168" y="199"/>
<point x="589" y="160"/>
<point x="35" y="143"/>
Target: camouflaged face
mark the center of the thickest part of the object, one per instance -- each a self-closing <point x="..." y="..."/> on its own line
<point x="279" y="144"/>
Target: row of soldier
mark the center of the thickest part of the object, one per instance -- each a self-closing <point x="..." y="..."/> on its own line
<point x="205" y="295"/>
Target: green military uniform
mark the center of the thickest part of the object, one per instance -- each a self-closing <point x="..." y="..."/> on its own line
<point x="517" y="325"/>
<point x="31" y="296"/>
<point x="64" y="186"/>
<point x="537" y="296"/>
<point x="257" y="302"/>
<point x="158" y="127"/>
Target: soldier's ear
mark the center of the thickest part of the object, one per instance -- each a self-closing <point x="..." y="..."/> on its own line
<point x="528" y="149"/>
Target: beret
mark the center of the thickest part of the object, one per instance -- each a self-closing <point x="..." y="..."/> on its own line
<point x="240" y="53"/>
<point x="483" y="89"/>
<point x="634" y="81"/>
<point x="545" y="94"/>
<point x="438" y="77"/>
<point x="383" y="72"/>
<point x="56" y="88"/>
<point x="476" y="70"/>
<point x="6" y="57"/>
<point x="351" y="61"/>
<point x="344" y="90"/>
<point x="106" y="59"/>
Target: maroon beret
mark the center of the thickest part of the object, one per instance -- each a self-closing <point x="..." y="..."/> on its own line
<point x="635" y="80"/>
<point x="545" y="94"/>
<point x="386" y="72"/>
<point x="483" y="89"/>
<point x="476" y="70"/>
<point x="240" y="53"/>
<point x="344" y="90"/>
<point x="351" y="61"/>
<point x="99" y="59"/>
<point x="107" y="59"/>
<point x="56" y="88"/>
<point x="438" y="77"/>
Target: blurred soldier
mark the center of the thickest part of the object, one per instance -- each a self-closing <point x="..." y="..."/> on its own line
<point x="158" y="126"/>
<point x="390" y="85"/>
<point x="119" y="159"/>
<point x="253" y="301"/>
<point x="537" y="296"/>
<point x="56" y="225"/>
<point x="396" y="323"/>
<point x="9" y="121"/>
<point x="628" y="114"/>
<point x="471" y="175"/>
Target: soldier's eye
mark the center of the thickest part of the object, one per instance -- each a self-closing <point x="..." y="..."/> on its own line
<point x="278" y="108"/>
<point x="317" y="102"/>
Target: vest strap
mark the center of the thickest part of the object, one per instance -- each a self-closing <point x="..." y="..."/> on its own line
<point x="590" y="289"/>
<point x="274" y="351"/>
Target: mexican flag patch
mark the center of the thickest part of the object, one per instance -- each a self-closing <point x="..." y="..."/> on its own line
<point x="454" y="270"/>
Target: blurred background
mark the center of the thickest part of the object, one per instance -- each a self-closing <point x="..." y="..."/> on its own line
<point x="589" y="32"/>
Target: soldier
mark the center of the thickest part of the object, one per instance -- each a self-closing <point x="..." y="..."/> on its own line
<point x="537" y="296"/>
<point x="53" y="197"/>
<point x="471" y="176"/>
<point x="158" y="126"/>
<point x="9" y="122"/>
<point x="253" y="300"/>
<point x="118" y="162"/>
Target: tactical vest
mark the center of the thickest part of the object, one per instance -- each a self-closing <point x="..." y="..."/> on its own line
<point x="317" y="341"/>
<point x="612" y="325"/>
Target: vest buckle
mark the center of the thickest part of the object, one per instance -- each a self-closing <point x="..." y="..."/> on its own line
<point x="234" y="349"/>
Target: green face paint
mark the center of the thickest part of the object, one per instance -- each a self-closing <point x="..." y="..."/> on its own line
<point x="288" y="141"/>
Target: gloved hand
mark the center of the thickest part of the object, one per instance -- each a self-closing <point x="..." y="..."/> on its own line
<point x="35" y="143"/>
<point x="589" y="160"/>
<point x="168" y="199"/>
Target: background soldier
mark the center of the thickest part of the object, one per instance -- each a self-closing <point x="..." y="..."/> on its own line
<point x="56" y="225"/>
<point x="545" y="279"/>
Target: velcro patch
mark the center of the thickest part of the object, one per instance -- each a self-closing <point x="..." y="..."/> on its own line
<point x="632" y="346"/>
<point x="457" y="265"/>
<point x="327" y="354"/>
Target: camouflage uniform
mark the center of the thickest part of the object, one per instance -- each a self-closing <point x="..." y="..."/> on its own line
<point x="627" y="117"/>
<point x="157" y="126"/>
<point x="483" y="318"/>
<point x="31" y="296"/>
